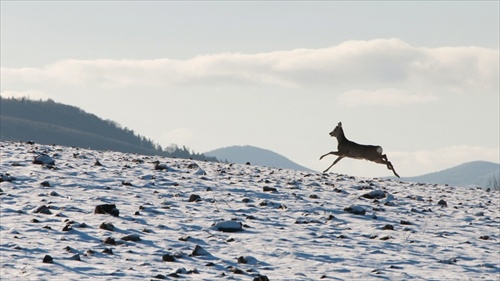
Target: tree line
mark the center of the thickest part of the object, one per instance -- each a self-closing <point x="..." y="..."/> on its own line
<point x="49" y="122"/>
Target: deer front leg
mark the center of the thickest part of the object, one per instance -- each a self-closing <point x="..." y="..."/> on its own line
<point x="334" y="162"/>
<point x="329" y="153"/>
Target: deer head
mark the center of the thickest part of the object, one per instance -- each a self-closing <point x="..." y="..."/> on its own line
<point x="336" y="132"/>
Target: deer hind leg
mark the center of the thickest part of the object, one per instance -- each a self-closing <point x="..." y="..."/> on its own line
<point x="389" y="165"/>
<point x="334" y="162"/>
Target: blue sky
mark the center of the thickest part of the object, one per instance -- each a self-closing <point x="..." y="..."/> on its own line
<point x="418" y="78"/>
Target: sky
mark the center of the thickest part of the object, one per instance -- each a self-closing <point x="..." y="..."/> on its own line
<point x="420" y="79"/>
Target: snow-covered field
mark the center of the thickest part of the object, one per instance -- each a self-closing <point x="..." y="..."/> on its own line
<point x="213" y="221"/>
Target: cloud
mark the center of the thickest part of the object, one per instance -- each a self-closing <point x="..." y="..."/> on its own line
<point x="365" y="65"/>
<point x="177" y="136"/>
<point x="383" y="97"/>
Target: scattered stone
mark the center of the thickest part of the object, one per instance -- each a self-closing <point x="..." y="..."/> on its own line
<point x="388" y="227"/>
<point x="97" y="163"/>
<point x="313" y="196"/>
<point x="200" y="172"/>
<point x="484" y="237"/>
<point x="194" y="198"/>
<point x="269" y="189"/>
<point x="126" y="183"/>
<point x="405" y="222"/>
<point x="45" y="183"/>
<point x="168" y="258"/>
<point x="75" y="257"/>
<point x="107" y="209"/>
<point x="385" y="238"/>
<point x="48" y="259"/>
<point x="110" y="241"/>
<point x="107" y="226"/>
<point x="355" y="209"/>
<point x="242" y="259"/>
<point x="67" y="227"/>
<point x="442" y="203"/>
<point x="43" y="210"/>
<point x="35" y="221"/>
<point x="374" y="194"/>
<point x="107" y="251"/>
<point x="236" y="270"/>
<point x="53" y="193"/>
<point x="6" y="178"/>
<point x="185" y="238"/>
<point x="199" y="251"/>
<point x="43" y="159"/>
<point x="229" y="226"/>
<point x="132" y="237"/>
<point x="159" y="276"/>
<point x="261" y="278"/>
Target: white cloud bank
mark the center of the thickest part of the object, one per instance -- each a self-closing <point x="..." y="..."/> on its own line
<point x="383" y="97"/>
<point x="359" y="69"/>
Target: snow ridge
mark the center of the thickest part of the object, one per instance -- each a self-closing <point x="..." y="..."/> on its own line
<point x="123" y="220"/>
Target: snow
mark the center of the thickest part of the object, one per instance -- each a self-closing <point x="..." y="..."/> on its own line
<point x="283" y="224"/>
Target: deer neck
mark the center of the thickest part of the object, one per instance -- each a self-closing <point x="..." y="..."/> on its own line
<point x="341" y="137"/>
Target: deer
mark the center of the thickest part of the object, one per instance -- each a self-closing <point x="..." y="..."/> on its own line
<point x="350" y="149"/>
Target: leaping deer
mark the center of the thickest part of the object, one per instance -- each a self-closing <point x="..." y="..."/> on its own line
<point x="347" y="148"/>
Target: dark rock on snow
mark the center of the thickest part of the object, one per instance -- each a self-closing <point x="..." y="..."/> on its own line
<point x="107" y="209"/>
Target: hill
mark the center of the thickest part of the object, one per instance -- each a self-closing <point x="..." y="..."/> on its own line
<point x="256" y="156"/>
<point x="49" y="122"/>
<point x="471" y="173"/>
<point x="202" y="220"/>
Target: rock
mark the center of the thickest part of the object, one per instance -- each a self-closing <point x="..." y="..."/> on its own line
<point x="75" y="257"/>
<point x="48" y="259"/>
<point x="43" y="159"/>
<point x="6" y="178"/>
<point x="236" y="270"/>
<point x="67" y="227"/>
<point x="405" y="222"/>
<point x="107" y="226"/>
<point x="199" y="251"/>
<point x="127" y="183"/>
<point x="168" y="258"/>
<point x="484" y="237"/>
<point x="443" y="203"/>
<point x="107" y="209"/>
<point x="97" y="163"/>
<point x="375" y="194"/>
<point x="194" y="198"/>
<point x="45" y="184"/>
<point x="43" y="210"/>
<point x="107" y="251"/>
<point x="261" y="278"/>
<point x="388" y="227"/>
<point x="269" y="189"/>
<point x="132" y="237"/>
<point x="229" y="226"/>
<point x="110" y="241"/>
<point x="53" y="193"/>
<point x="200" y="172"/>
<point x="159" y="276"/>
<point x="355" y="209"/>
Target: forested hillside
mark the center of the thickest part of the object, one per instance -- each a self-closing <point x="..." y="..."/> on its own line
<point x="48" y="122"/>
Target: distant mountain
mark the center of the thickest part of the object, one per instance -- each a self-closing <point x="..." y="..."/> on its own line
<point x="470" y="173"/>
<point x="256" y="156"/>
<point x="49" y="122"/>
